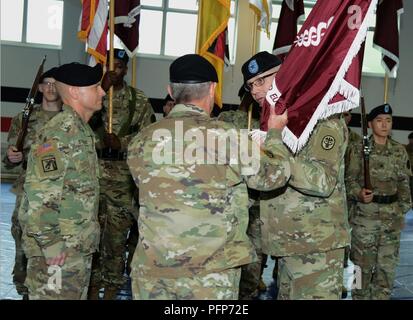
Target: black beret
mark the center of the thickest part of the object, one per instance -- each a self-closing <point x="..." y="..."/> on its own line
<point x="48" y="74"/>
<point x="258" y="64"/>
<point x="79" y="75"/>
<point x="121" y="55"/>
<point x="192" y="68"/>
<point x="383" y="109"/>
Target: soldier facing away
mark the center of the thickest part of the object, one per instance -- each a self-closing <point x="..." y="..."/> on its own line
<point x="41" y="114"/>
<point x="58" y="214"/>
<point x="379" y="214"/>
<point x="251" y="273"/>
<point x="131" y="113"/>
<point x="194" y="214"/>
<point x="305" y="223"/>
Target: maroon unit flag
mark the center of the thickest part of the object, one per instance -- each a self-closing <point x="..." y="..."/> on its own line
<point x="291" y="12"/>
<point x="386" y="34"/>
<point x="321" y="74"/>
<point x="127" y="16"/>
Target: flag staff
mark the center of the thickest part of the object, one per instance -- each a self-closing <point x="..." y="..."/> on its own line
<point x="254" y="50"/>
<point x="111" y="64"/>
<point x="386" y="87"/>
<point x="198" y="29"/>
<point x="134" y="72"/>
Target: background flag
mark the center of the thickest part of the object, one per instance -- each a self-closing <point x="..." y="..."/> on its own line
<point x="291" y="12"/>
<point x="386" y="34"/>
<point x="321" y="74"/>
<point x="127" y="17"/>
<point x="263" y="10"/>
<point x="93" y="29"/>
<point x="213" y="20"/>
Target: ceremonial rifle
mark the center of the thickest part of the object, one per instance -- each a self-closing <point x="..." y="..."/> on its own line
<point x="28" y="108"/>
<point x="366" y="146"/>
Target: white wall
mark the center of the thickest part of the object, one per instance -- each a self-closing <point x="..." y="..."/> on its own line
<point x="19" y="64"/>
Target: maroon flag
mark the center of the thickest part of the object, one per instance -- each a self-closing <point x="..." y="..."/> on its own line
<point x="291" y="11"/>
<point x="386" y="34"/>
<point x="321" y="74"/>
<point x="127" y="16"/>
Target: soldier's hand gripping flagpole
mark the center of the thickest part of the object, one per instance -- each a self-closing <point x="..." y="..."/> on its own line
<point x="28" y="108"/>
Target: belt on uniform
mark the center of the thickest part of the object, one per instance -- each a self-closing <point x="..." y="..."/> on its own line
<point x="111" y="154"/>
<point x="385" y="199"/>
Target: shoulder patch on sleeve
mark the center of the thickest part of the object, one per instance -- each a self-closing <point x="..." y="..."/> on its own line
<point x="326" y="143"/>
<point x="48" y="160"/>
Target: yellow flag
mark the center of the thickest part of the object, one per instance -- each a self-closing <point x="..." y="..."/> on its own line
<point x="213" y="19"/>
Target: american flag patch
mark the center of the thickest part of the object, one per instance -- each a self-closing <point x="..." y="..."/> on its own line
<point x="45" y="147"/>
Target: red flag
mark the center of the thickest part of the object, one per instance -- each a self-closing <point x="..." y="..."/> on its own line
<point x="93" y="29"/>
<point x="127" y="17"/>
<point x="386" y="34"/>
<point x="321" y="74"/>
<point x="291" y="11"/>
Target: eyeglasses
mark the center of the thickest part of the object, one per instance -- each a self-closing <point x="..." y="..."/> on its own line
<point x="48" y="84"/>
<point x="258" y="83"/>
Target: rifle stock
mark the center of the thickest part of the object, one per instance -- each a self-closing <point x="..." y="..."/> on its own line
<point x="28" y="108"/>
<point x="366" y="146"/>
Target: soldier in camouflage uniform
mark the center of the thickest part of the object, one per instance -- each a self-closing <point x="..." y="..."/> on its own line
<point x="250" y="273"/>
<point x="409" y="149"/>
<point x="41" y="114"/>
<point x="305" y="224"/>
<point x="131" y="112"/>
<point x="193" y="215"/>
<point x="168" y="104"/>
<point x="353" y="139"/>
<point x="58" y="214"/>
<point x="379" y="213"/>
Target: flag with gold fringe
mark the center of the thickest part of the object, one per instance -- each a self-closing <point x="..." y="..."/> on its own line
<point x="211" y="43"/>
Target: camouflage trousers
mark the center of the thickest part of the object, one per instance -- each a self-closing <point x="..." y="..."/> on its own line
<point x="68" y="282"/>
<point x="311" y="276"/>
<point x="213" y="286"/>
<point x="20" y="260"/>
<point x="375" y="247"/>
<point x="116" y="219"/>
<point x="251" y="273"/>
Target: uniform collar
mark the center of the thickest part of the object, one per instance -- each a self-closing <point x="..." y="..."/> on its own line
<point x="183" y="109"/>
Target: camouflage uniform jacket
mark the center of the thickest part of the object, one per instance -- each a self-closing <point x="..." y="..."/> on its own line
<point x="193" y="217"/>
<point x="141" y="118"/>
<point x="409" y="149"/>
<point x="389" y="173"/>
<point x="309" y="214"/>
<point x="353" y="139"/>
<point x="239" y="119"/>
<point x="38" y="119"/>
<point x="61" y="191"/>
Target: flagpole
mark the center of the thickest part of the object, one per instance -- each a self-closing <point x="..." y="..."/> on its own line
<point x="134" y="72"/>
<point x="198" y="31"/>
<point x="249" y="117"/>
<point x="386" y="87"/>
<point x="111" y="55"/>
